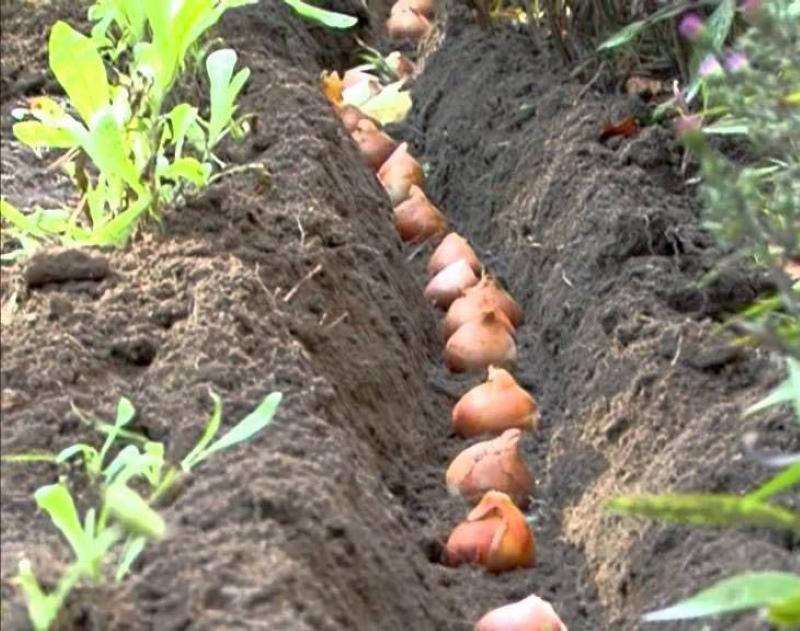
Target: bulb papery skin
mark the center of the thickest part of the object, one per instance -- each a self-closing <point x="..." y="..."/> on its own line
<point x="494" y="535"/>
<point x="399" y="173"/>
<point x="492" y="465"/>
<point x="468" y="307"/>
<point x="417" y="219"/>
<point x="452" y="248"/>
<point x="489" y="289"/>
<point x="448" y="284"/>
<point x="530" y="614"/>
<point x="479" y="343"/>
<point x="495" y="406"/>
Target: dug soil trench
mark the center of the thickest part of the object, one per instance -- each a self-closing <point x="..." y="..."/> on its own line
<point x="334" y="517"/>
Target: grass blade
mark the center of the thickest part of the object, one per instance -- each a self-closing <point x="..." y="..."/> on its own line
<point x="212" y="427"/>
<point x="331" y="19"/>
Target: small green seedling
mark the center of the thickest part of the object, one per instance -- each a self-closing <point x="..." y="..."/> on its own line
<point x="123" y="515"/>
<point x="128" y="157"/>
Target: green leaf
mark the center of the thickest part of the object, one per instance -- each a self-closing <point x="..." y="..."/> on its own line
<point x="330" y="19"/>
<point x="248" y="427"/>
<point x="37" y="135"/>
<point x="745" y="591"/>
<point x="107" y="148"/>
<point x="224" y="88"/>
<point x="181" y="118"/>
<point x="707" y="510"/>
<point x="212" y="427"/>
<point x="128" y="507"/>
<point x="91" y="457"/>
<point x="79" y="69"/>
<point x="133" y="548"/>
<point x="43" y="608"/>
<point x="189" y="169"/>
<point x="57" y="502"/>
<point x="19" y="220"/>
<point x="125" y="414"/>
<point x="786" y="479"/>
<point x="624" y="35"/>
<point x="786" y="613"/>
<point x="787" y="392"/>
<point x="720" y="22"/>
<point x="30" y="457"/>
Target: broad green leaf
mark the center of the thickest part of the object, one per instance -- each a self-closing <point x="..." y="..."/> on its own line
<point x="786" y="479"/>
<point x="745" y="591"/>
<point x="107" y="148"/>
<point x="57" y="502"/>
<point x="189" y="169"/>
<point x="123" y="459"/>
<point x="331" y="19"/>
<point x="79" y="69"/>
<point x="786" y="613"/>
<point x="787" y="392"/>
<point x="390" y="106"/>
<point x="43" y="608"/>
<point x="624" y="35"/>
<point x="181" y="118"/>
<point x="37" y="135"/>
<point x="91" y="457"/>
<point x="211" y="429"/>
<point x="19" y="220"/>
<point x="133" y="548"/>
<point x="128" y="507"/>
<point x="707" y="510"/>
<point x="224" y="89"/>
<point x="118" y="230"/>
<point x="253" y="423"/>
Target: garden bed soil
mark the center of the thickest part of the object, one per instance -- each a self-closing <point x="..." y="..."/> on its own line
<point x="335" y="516"/>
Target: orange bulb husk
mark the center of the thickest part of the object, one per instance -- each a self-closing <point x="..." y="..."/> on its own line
<point x="494" y="535"/>
<point x="492" y="465"/>
<point x="373" y="143"/>
<point x="332" y="87"/>
<point x="530" y="614"/>
<point x="489" y="289"/>
<point x="452" y="248"/>
<point x="417" y="219"/>
<point x="399" y="173"/>
<point x="495" y="406"/>
<point x="425" y="7"/>
<point x="479" y="343"/>
<point x="407" y="24"/>
<point x="448" y="284"/>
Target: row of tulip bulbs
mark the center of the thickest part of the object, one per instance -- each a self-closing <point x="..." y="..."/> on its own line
<point x="478" y="330"/>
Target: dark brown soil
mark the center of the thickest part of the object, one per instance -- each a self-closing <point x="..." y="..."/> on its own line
<point x="335" y="516"/>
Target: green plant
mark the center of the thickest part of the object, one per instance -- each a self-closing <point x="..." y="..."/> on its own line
<point x="127" y="156"/>
<point x="777" y="594"/>
<point x="323" y="17"/>
<point x="123" y="516"/>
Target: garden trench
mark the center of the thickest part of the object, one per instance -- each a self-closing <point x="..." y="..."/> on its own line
<point x="335" y="516"/>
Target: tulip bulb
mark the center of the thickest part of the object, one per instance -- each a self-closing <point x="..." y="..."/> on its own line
<point x="529" y="614"/>
<point x="357" y="75"/>
<point x="452" y="248"/>
<point x="488" y="290"/>
<point x="495" y="406"/>
<point x="399" y="173"/>
<point x="480" y="343"/>
<point x="375" y="145"/>
<point x="492" y="465"/>
<point x="495" y="535"/>
<point x="468" y="307"/>
<point x="417" y="219"/>
<point x="407" y="24"/>
<point x="448" y="284"/>
<point x="425" y="7"/>
<point x="351" y="116"/>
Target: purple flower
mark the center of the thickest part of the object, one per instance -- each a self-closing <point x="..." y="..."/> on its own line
<point x="710" y="66"/>
<point x="691" y="27"/>
<point x="735" y="62"/>
<point x="749" y="6"/>
<point x="687" y="124"/>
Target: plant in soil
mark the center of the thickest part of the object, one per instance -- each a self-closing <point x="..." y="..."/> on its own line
<point x="129" y="153"/>
<point x="121" y="520"/>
